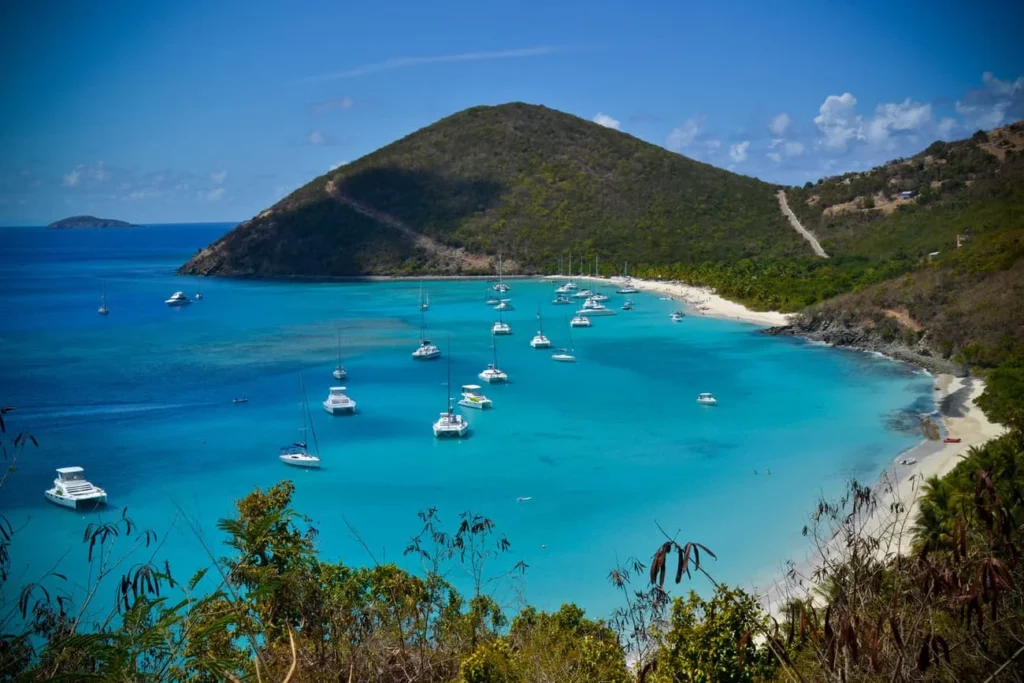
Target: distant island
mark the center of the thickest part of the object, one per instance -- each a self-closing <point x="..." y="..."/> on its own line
<point x="90" y="222"/>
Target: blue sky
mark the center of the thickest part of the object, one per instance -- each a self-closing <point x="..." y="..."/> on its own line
<point x="206" y="111"/>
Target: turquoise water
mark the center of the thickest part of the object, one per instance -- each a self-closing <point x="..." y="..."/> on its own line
<point x="606" y="447"/>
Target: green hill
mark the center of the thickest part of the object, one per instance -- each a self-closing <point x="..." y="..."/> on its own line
<point x="955" y="246"/>
<point x="527" y="181"/>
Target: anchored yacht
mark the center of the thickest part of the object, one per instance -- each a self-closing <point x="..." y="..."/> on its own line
<point x="297" y="454"/>
<point x="338" y="402"/>
<point x="540" y="341"/>
<point x="501" y="327"/>
<point x="707" y="399"/>
<point x="426" y="350"/>
<point x="450" y="423"/>
<point x="178" y="299"/>
<point x="505" y="305"/>
<point x="561" y="300"/>
<point x="579" y="320"/>
<point x="339" y="372"/>
<point x="71" y="490"/>
<point x="103" y="310"/>
<point x="472" y="398"/>
<point x="492" y="374"/>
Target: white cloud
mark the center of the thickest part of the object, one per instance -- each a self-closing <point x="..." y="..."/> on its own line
<point x="317" y="137"/>
<point x="72" y="179"/>
<point x="774" y="156"/>
<point x="793" y="148"/>
<point x="779" y="124"/>
<point x="712" y="144"/>
<point x="994" y="104"/>
<point x="904" y="116"/>
<point x="218" y="177"/>
<point x="606" y="121"/>
<point x="945" y="127"/>
<point x="402" y="62"/>
<point x="683" y="135"/>
<point x="212" y="195"/>
<point x="738" y="152"/>
<point x="837" y="121"/>
<point x="337" y="104"/>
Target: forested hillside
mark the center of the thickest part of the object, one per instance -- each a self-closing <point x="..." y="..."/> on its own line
<point x="524" y="180"/>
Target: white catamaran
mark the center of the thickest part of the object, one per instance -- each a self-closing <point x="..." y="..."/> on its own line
<point x="426" y="350"/>
<point x="501" y="286"/>
<point x="539" y="341"/>
<point x="492" y="374"/>
<point x="450" y="424"/>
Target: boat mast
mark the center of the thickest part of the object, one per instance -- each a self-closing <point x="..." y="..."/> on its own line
<point x="569" y="269"/>
<point x="339" y="347"/>
<point x="449" y="384"/>
<point x="494" y="347"/>
<point x="540" y="322"/>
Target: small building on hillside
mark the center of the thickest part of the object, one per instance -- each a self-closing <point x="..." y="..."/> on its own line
<point x="932" y="255"/>
<point x="907" y="194"/>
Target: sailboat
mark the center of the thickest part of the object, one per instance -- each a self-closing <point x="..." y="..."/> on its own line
<point x="297" y="454"/>
<point x="501" y="286"/>
<point x="424" y="299"/>
<point x="540" y="341"/>
<point x="491" y="298"/>
<point x="103" y="310"/>
<point x="501" y="327"/>
<point x="565" y="355"/>
<point x="426" y="351"/>
<point x="199" y="293"/>
<point x="627" y="288"/>
<point x="450" y="424"/>
<point x="339" y="372"/>
<point x="492" y="373"/>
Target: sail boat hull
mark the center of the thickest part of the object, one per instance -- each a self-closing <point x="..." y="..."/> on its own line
<point x="301" y="460"/>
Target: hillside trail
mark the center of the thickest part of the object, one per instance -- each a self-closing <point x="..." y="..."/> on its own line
<point x="449" y="258"/>
<point x="795" y="222"/>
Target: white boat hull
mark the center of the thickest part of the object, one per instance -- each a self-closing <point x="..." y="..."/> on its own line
<point x="177" y="303"/>
<point x="451" y="432"/>
<point x="426" y="355"/>
<point x="501" y="330"/>
<point x="591" y="312"/>
<point x="88" y="503"/>
<point x="307" y="462"/>
<point x="344" y="409"/>
<point x="540" y="343"/>
<point x="339" y="374"/>
<point x="479" y="405"/>
<point x="563" y="358"/>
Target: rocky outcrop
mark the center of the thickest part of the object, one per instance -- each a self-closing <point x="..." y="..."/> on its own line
<point x="838" y="327"/>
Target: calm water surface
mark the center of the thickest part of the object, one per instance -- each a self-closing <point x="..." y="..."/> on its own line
<point x="606" y="447"/>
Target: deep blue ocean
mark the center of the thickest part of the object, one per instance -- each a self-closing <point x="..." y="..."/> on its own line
<point x="605" y="448"/>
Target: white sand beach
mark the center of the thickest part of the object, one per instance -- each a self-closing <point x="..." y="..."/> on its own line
<point x="959" y="418"/>
<point x="703" y="301"/>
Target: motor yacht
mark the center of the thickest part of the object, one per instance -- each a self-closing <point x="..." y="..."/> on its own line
<point x="178" y="299"/>
<point x="71" y="490"/>
<point x="707" y="399"/>
<point x="472" y="398"/>
<point x="338" y="403"/>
